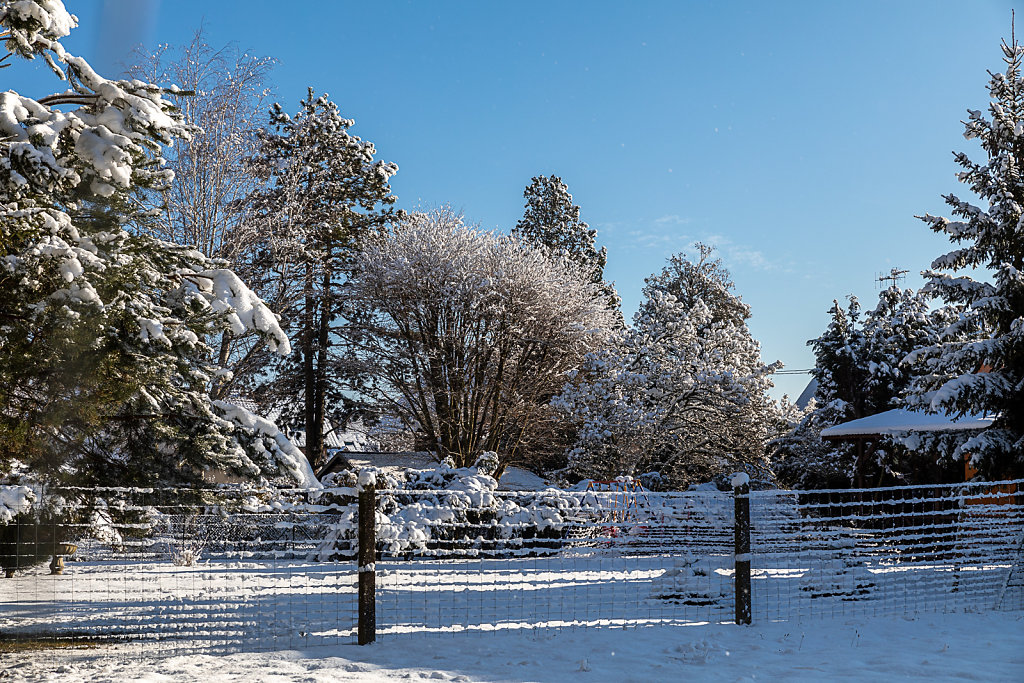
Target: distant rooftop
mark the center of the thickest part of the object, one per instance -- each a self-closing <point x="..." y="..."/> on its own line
<point x="807" y="394"/>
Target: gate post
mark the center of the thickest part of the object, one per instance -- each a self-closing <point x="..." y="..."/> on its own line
<point x="741" y="491"/>
<point x="367" y="558"/>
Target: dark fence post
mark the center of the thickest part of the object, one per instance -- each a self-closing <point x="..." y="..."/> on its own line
<point x="741" y="490"/>
<point x="367" y="558"/>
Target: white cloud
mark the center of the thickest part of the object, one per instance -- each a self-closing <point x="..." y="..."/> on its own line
<point x="671" y="219"/>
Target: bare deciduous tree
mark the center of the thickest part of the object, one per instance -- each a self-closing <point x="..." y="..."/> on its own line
<point x="224" y="94"/>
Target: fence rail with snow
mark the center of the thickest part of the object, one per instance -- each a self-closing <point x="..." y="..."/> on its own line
<point x="243" y="569"/>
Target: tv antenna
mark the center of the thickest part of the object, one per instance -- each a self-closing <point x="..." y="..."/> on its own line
<point x="895" y="275"/>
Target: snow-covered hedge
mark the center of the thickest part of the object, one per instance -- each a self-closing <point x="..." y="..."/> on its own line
<point x="14" y="501"/>
<point x="450" y="510"/>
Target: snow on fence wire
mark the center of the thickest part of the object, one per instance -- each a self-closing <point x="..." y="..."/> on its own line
<point x="888" y="551"/>
<point x="234" y="569"/>
<point x="182" y="569"/>
<point x="554" y="559"/>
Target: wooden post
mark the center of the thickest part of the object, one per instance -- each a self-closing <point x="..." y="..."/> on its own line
<point x="741" y="491"/>
<point x="367" y="558"/>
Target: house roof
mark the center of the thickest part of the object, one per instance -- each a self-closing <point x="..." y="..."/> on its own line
<point x="807" y="394"/>
<point x="347" y="440"/>
<point x="903" y="420"/>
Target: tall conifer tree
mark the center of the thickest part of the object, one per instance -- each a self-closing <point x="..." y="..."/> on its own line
<point x="553" y="221"/>
<point x="967" y="376"/>
<point x="323" y="190"/>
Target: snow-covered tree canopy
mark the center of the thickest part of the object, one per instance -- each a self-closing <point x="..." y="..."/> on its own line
<point x="551" y="220"/>
<point x="468" y="333"/>
<point x="860" y="371"/>
<point x="966" y="375"/>
<point x="683" y="393"/>
<point x="103" y="369"/>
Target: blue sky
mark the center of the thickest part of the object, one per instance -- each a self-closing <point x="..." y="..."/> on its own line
<point x="800" y="138"/>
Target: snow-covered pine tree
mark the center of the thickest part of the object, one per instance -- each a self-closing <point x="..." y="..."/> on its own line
<point x="859" y="370"/>
<point x="323" y="191"/>
<point x="552" y="220"/>
<point x="966" y="375"/>
<point x="801" y="458"/>
<point x="104" y="375"/>
<point x="682" y="393"/>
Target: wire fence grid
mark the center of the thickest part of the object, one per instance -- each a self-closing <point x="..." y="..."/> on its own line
<point x="179" y="571"/>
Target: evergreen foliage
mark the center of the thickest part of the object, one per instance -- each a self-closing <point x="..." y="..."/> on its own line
<point x="322" y="191"/>
<point x="966" y="374"/>
<point x="552" y="220"/>
<point x="104" y="374"/>
<point x="224" y="96"/>
<point x="683" y="393"/>
<point x="860" y="372"/>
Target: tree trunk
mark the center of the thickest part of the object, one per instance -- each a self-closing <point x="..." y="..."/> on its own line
<point x="222" y="387"/>
<point x="320" y="374"/>
<point x="309" y="383"/>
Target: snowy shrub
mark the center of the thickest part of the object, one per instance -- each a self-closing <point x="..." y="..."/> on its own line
<point x="14" y="501"/>
<point x="449" y="510"/>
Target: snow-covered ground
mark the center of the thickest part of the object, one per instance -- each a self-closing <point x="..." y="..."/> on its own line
<point x="274" y="605"/>
<point x="921" y="591"/>
<point x="942" y="647"/>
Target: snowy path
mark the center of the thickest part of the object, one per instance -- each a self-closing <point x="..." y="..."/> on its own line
<point x="952" y="647"/>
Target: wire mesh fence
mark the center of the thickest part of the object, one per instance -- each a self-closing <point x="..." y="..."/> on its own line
<point x="887" y="551"/>
<point x="190" y="570"/>
<point x="557" y="560"/>
<point x="187" y="570"/>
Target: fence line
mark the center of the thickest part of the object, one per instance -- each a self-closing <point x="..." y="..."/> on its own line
<point x="186" y="570"/>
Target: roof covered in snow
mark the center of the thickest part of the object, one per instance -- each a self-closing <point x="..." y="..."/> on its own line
<point x="349" y="440"/>
<point x="903" y="420"/>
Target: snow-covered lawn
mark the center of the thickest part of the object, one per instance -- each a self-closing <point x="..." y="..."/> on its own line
<point x="230" y="605"/>
<point x="942" y="647"/>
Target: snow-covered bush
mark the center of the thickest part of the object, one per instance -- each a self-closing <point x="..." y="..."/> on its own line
<point x="453" y="510"/>
<point x="14" y="501"/>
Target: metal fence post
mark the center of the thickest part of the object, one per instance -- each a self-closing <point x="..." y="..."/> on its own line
<point x="741" y="491"/>
<point x="367" y="558"/>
